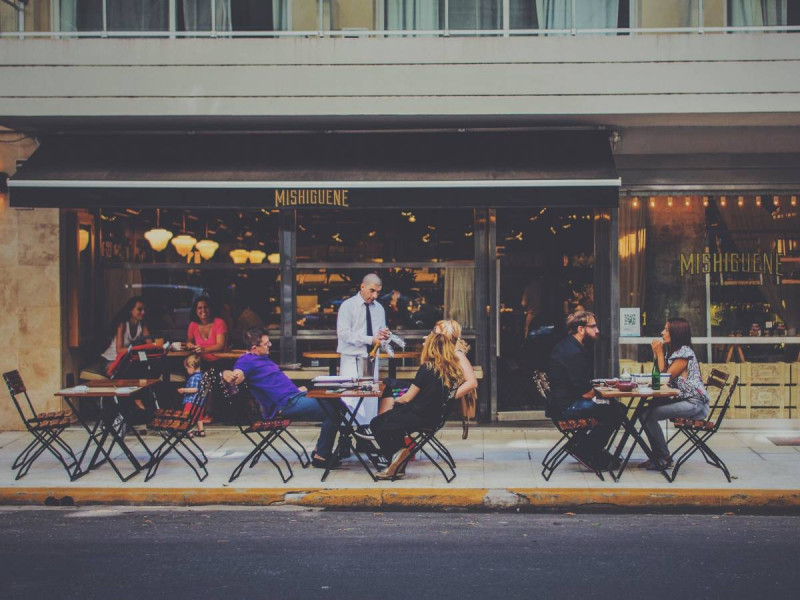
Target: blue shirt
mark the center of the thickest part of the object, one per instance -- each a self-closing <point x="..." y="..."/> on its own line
<point x="192" y="382"/>
<point x="268" y="384"/>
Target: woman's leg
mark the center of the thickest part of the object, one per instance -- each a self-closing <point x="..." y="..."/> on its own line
<point x="389" y="430"/>
<point x="652" y="428"/>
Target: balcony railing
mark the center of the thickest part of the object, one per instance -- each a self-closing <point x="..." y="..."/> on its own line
<point x="21" y="19"/>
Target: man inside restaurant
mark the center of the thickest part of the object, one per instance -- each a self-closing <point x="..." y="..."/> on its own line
<point x="572" y="395"/>
<point x="277" y="395"/>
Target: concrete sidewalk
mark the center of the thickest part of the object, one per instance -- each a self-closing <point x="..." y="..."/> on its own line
<point x="499" y="468"/>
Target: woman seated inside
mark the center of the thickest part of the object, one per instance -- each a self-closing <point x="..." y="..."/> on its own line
<point x="439" y="377"/>
<point x="126" y="326"/>
<point x="206" y="332"/>
<point x="684" y="371"/>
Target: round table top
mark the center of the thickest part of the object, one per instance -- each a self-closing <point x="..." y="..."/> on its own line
<point x="337" y="355"/>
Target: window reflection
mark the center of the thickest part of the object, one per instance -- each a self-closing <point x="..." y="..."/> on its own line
<point x="385" y="236"/>
<point x="414" y="298"/>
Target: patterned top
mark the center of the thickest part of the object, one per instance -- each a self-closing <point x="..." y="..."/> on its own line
<point x="193" y="381"/>
<point x="691" y="388"/>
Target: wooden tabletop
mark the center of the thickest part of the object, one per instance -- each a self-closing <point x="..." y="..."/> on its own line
<point x="99" y="389"/>
<point x="218" y="354"/>
<point x="644" y="392"/>
<point x="330" y="355"/>
<point x="327" y="393"/>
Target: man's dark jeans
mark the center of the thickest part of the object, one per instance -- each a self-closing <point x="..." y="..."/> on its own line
<point x="610" y="417"/>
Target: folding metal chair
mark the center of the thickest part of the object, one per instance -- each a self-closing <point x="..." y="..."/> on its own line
<point x="46" y="429"/>
<point x="699" y="431"/>
<point x="571" y="430"/>
<point x="716" y="380"/>
<point x="175" y="426"/>
<point x="423" y="438"/>
<point x="263" y="433"/>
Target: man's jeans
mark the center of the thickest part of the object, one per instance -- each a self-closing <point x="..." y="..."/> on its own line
<point x="609" y="415"/>
<point x="661" y="412"/>
<point x="303" y="407"/>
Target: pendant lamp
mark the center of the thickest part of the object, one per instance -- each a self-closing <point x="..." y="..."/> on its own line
<point x="257" y="256"/>
<point x="239" y="256"/>
<point x="184" y="243"/>
<point x="158" y="237"/>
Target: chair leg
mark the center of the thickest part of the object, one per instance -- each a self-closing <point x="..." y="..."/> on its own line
<point x="299" y="450"/>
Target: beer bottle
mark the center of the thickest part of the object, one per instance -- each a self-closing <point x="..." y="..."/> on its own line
<point x="656" y="382"/>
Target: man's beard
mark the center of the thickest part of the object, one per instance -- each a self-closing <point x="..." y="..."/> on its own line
<point x="589" y="341"/>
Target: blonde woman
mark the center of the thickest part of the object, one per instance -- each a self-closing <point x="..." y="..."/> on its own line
<point x="452" y="329"/>
<point x="439" y="376"/>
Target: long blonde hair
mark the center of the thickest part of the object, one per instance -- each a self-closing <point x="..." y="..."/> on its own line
<point x="452" y="329"/>
<point x="439" y="352"/>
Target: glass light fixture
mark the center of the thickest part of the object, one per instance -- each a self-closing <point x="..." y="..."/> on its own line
<point x="183" y="244"/>
<point x="257" y="256"/>
<point x="83" y="239"/>
<point x="274" y="258"/>
<point x="239" y="256"/>
<point x="207" y="248"/>
<point x="158" y="237"/>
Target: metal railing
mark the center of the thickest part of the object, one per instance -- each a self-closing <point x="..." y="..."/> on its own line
<point x="325" y="25"/>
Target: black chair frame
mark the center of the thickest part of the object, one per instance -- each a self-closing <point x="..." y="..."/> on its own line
<point x="175" y="428"/>
<point x="262" y="434"/>
<point x="699" y="432"/>
<point x="46" y="429"/>
<point x="423" y="438"/>
<point x="571" y="430"/>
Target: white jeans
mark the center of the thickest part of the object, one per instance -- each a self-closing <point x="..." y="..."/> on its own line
<point x="356" y="366"/>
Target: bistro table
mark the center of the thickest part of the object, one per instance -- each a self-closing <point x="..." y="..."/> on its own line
<point x="333" y="357"/>
<point x="347" y="419"/>
<point x="642" y="398"/>
<point x="110" y="424"/>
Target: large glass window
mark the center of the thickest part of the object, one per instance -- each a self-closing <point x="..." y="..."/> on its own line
<point x="425" y="259"/>
<point x="385" y="236"/>
<point x="729" y="264"/>
<point x="36" y="15"/>
<point x="545" y="264"/>
<point x="409" y="15"/>
<point x="475" y="14"/>
<point x="228" y="255"/>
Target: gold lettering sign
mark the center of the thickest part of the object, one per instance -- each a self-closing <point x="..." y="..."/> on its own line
<point x="312" y="197"/>
<point x="700" y="263"/>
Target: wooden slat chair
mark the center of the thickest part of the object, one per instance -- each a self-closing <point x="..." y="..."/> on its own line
<point x="263" y="433"/>
<point x="175" y="427"/>
<point x="699" y="431"/>
<point x="571" y="430"/>
<point x="46" y="429"/>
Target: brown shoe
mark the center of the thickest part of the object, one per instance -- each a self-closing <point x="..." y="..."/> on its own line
<point x="398" y="460"/>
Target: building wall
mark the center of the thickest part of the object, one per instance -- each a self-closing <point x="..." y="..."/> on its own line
<point x="583" y="79"/>
<point x="30" y="324"/>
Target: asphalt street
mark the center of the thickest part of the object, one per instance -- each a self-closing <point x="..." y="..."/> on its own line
<point x="248" y="553"/>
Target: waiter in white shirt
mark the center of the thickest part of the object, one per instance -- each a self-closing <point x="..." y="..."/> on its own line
<point x="360" y="324"/>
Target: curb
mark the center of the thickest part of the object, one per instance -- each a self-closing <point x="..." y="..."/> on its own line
<point x="421" y="499"/>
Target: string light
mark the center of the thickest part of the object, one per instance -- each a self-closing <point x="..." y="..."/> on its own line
<point x="652" y="202"/>
<point x="669" y="201"/>
<point x="758" y="200"/>
<point x="635" y="202"/>
<point x="723" y="201"/>
<point x="793" y="201"/>
<point x="705" y="201"/>
<point x="776" y="201"/>
<point x="687" y="201"/>
<point x="741" y="201"/>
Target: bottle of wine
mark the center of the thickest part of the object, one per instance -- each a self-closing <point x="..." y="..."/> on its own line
<point x="656" y="374"/>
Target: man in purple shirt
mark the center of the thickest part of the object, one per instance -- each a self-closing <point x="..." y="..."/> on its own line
<point x="277" y="395"/>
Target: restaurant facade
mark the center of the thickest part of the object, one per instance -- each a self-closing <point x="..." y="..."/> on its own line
<point x="501" y="213"/>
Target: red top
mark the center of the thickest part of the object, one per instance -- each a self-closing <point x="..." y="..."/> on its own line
<point x="218" y="326"/>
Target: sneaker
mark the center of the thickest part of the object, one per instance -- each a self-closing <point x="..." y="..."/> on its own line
<point x="364" y="433"/>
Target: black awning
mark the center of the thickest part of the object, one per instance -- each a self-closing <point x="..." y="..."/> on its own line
<point x="710" y="173"/>
<point x="569" y="167"/>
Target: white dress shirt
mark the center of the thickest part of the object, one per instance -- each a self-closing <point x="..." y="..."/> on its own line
<point x="351" y="325"/>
